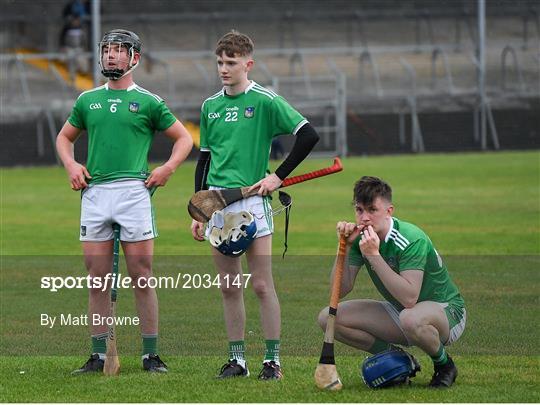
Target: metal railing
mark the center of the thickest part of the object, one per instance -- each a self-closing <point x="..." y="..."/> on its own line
<point x="332" y="108"/>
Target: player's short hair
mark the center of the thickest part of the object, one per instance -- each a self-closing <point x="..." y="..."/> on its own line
<point x="368" y="188"/>
<point x="234" y="43"/>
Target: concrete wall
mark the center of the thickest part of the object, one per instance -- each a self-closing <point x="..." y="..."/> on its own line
<point x="368" y="134"/>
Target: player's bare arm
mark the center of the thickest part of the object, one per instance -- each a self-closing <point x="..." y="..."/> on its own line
<point x="181" y="148"/>
<point x="77" y="173"/>
<point x="306" y="138"/>
<point x="348" y="278"/>
<point x="405" y="286"/>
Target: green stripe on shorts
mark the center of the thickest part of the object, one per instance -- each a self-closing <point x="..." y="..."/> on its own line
<point x="154" y="227"/>
<point x="268" y="213"/>
<point x="454" y="313"/>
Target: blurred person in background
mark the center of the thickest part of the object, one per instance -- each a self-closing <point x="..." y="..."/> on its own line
<point x="75" y="35"/>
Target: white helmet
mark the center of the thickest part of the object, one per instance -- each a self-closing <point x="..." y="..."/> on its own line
<point x="233" y="232"/>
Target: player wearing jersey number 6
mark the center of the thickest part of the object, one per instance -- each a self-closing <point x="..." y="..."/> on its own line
<point x="120" y="118"/>
<point x="238" y="124"/>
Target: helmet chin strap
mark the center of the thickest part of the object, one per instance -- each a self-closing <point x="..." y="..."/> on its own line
<point x="131" y="69"/>
<point x="119" y="71"/>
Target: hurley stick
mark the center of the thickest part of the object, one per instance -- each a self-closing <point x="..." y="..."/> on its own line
<point x="204" y="203"/>
<point x="112" y="364"/>
<point x="326" y="375"/>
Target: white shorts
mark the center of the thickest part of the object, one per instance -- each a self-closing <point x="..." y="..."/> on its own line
<point x="258" y="206"/>
<point x="456" y="328"/>
<point x="126" y="203"/>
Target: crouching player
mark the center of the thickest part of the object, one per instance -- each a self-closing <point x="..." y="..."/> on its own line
<point x="422" y="306"/>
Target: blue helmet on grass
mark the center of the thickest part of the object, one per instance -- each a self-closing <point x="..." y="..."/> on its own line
<point x="391" y="367"/>
<point x="233" y="232"/>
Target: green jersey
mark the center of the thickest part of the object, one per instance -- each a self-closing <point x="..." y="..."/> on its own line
<point x="407" y="247"/>
<point x="121" y="126"/>
<point x="238" y="131"/>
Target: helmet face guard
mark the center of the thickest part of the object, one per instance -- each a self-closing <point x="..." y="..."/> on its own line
<point x="388" y="368"/>
<point x="112" y="44"/>
<point x="233" y="232"/>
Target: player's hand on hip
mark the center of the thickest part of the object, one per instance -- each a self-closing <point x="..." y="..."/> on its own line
<point x="197" y="230"/>
<point x="159" y="176"/>
<point x="369" y="244"/>
<point x="348" y="229"/>
<point x="77" y="176"/>
<point x="267" y="185"/>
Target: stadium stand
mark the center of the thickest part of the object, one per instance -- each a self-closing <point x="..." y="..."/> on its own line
<point x="374" y="77"/>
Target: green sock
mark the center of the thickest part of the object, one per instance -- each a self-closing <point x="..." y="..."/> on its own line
<point x="149" y="344"/>
<point x="378" y="346"/>
<point x="237" y="349"/>
<point x="440" y="358"/>
<point x="272" y="351"/>
<point x="99" y="343"/>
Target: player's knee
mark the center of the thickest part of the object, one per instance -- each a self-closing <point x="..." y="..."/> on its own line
<point x="98" y="266"/>
<point x="99" y="293"/>
<point x="261" y="288"/>
<point x="140" y="265"/>
<point x="322" y="319"/>
<point x="410" y="322"/>
<point x="229" y="290"/>
<point x="99" y="285"/>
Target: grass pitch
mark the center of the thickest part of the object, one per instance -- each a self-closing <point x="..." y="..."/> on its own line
<point x="481" y="211"/>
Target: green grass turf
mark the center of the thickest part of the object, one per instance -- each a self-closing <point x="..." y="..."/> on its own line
<point x="481" y="211"/>
<point x="488" y="379"/>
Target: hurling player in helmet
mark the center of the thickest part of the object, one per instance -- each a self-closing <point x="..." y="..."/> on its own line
<point x="120" y="53"/>
<point x="422" y="306"/>
<point x="120" y="119"/>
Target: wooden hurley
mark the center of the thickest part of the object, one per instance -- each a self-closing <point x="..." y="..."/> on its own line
<point x="112" y="363"/>
<point x="204" y="203"/>
<point x="326" y="375"/>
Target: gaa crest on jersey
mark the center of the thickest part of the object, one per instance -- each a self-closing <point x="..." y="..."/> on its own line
<point x="249" y="112"/>
<point x="133" y="107"/>
<point x="83" y="230"/>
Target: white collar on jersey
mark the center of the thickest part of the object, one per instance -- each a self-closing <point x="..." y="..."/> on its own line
<point x="248" y="88"/>
<point x="128" y="89"/>
<point x="390" y="230"/>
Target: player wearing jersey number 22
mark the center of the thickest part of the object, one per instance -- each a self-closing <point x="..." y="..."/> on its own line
<point x="120" y="118"/>
<point x="422" y="307"/>
<point x="238" y="124"/>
